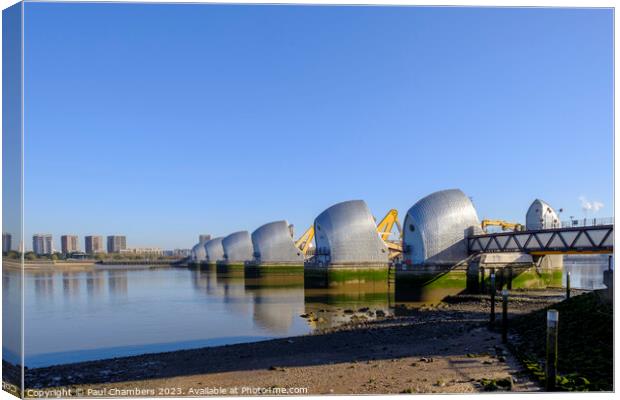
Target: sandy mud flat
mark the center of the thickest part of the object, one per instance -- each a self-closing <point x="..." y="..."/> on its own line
<point x="445" y="348"/>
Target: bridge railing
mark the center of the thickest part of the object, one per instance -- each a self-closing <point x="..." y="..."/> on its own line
<point x="578" y="239"/>
<point x="577" y="222"/>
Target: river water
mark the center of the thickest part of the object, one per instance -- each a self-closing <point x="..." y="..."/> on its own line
<point x="88" y="315"/>
<point x="121" y="311"/>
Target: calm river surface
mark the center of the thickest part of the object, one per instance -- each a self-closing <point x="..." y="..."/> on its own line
<point x="78" y="316"/>
<point x="121" y="311"/>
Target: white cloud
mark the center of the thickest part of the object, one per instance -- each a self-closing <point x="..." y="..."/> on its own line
<point x="590" y="206"/>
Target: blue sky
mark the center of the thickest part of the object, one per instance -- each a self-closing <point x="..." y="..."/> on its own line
<point x="165" y="121"/>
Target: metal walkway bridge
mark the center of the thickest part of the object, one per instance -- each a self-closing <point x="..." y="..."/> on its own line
<point x="567" y="240"/>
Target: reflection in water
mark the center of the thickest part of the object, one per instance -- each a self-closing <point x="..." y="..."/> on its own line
<point x="70" y="285"/>
<point x="231" y="284"/>
<point x="169" y="308"/>
<point x="11" y="315"/>
<point x="334" y="305"/>
<point x="274" y="309"/>
<point x="205" y="279"/>
<point x="6" y="281"/>
<point x="117" y="282"/>
<point x="224" y="285"/>
<point x="44" y="286"/>
<point x="94" y="283"/>
<point x="165" y="309"/>
<point x="586" y="271"/>
<point x="278" y="299"/>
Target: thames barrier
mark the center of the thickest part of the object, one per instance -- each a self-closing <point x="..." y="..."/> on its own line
<point x="442" y="243"/>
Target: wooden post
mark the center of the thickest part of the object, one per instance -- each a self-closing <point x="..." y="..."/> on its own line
<point x="567" y="285"/>
<point x="552" y="350"/>
<point x="492" y="316"/>
<point x="502" y="278"/>
<point x="504" y="316"/>
<point x="509" y="284"/>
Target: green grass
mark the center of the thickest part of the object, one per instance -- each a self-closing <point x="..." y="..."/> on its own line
<point x="585" y="342"/>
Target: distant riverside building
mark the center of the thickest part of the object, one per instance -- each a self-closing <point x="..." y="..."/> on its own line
<point x="93" y="244"/>
<point x="182" y="252"/>
<point x="116" y="243"/>
<point x="203" y="238"/>
<point x="177" y="252"/>
<point x="6" y="242"/>
<point x="69" y="244"/>
<point x="42" y="243"/>
<point x="153" y="251"/>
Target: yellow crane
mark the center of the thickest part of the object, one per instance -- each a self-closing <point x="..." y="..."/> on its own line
<point x="384" y="229"/>
<point x="303" y="243"/>
<point x="504" y="225"/>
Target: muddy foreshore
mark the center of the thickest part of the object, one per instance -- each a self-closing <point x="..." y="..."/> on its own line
<point x="445" y="348"/>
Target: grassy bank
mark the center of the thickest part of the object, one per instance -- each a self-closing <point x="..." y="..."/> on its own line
<point x="585" y="348"/>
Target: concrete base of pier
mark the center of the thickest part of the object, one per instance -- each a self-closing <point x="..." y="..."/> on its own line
<point x="429" y="283"/>
<point x="231" y="263"/>
<point x="317" y="276"/>
<point x="433" y="282"/>
<point x="514" y="271"/>
<point x="268" y="269"/>
<point x="260" y="280"/>
<point x="229" y="267"/>
<point x="274" y="264"/>
<point x="343" y="265"/>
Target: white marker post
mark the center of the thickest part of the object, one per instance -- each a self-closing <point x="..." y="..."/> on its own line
<point x="551" y="366"/>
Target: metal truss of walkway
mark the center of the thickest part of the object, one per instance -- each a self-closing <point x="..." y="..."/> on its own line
<point x="572" y="240"/>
